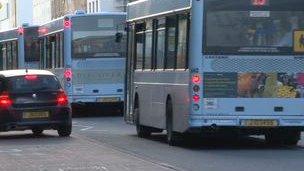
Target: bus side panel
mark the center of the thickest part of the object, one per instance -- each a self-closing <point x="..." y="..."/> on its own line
<point x="154" y="88"/>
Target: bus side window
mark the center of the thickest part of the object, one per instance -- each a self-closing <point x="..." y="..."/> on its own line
<point x="15" y="54"/>
<point x="160" y="43"/>
<point x="9" y="55"/>
<point x="171" y="23"/>
<point x="148" y="45"/>
<point x="61" y="50"/>
<point x="1" y="56"/>
<point x="182" y="42"/>
<point x="139" y="45"/>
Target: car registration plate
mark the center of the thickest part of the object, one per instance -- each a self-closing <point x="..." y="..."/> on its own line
<point x="260" y="123"/>
<point x="36" y="115"/>
<point x="108" y="99"/>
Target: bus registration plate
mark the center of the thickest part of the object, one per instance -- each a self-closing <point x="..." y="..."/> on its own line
<point x="35" y="115"/>
<point x="260" y="123"/>
<point x="108" y="99"/>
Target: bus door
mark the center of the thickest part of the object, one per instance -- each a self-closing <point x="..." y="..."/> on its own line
<point x="129" y="117"/>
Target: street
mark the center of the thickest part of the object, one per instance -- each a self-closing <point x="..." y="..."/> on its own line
<point x="107" y="143"/>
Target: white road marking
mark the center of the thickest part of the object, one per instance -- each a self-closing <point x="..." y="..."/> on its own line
<point x="87" y="128"/>
<point x="11" y="151"/>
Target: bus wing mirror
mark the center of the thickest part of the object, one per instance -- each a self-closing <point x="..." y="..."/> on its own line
<point x="118" y="37"/>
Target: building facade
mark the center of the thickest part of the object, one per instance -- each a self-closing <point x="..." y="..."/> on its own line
<point x="95" y="6"/>
<point x="14" y="13"/>
<point x="46" y="10"/>
<point x="42" y="11"/>
<point x="62" y="7"/>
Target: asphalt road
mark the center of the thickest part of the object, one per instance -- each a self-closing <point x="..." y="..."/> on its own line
<point x="107" y="143"/>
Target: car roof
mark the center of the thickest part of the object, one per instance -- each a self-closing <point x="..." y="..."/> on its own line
<point x="22" y="72"/>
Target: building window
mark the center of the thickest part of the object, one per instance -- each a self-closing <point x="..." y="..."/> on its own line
<point x="90" y="7"/>
<point x="97" y="7"/>
<point x="93" y="7"/>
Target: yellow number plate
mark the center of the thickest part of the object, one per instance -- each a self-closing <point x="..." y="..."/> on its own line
<point x="36" y="115"/>
<point x="108" y="99"/>
<point x="261" y="123"/>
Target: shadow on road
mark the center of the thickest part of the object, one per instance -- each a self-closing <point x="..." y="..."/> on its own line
<point x="224" y="143"/>
<point x="25" y="138"/>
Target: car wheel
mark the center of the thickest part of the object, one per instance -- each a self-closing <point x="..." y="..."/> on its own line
<point x="65" y="131"/>
<point x="37" y="132"/>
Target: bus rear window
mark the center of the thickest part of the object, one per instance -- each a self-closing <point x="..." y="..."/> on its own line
<point x="246" y="29"/>
<point x="33" y="83"/>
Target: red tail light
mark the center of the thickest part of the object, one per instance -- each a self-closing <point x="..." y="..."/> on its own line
<point x="31" y="77"/>
<point x="20" y="30"/>
<point x="259" y="2"/>
<point x="62" y="99"/>
<point x="5" y="101"/>
<point x="196" y="79"/>
<point x="68" y="73"/>
<point x="67" y="23"/>
<point x="196" y="98"/>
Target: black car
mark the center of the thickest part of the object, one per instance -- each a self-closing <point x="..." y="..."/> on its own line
<point x="33" y="100"/>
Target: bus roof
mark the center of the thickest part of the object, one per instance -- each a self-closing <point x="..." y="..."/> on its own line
<point x="81" y="15"/>
<point x="10" y="34"/>
<point x="142" y="9"/>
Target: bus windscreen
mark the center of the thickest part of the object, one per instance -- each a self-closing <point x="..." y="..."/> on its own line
<point x="95" y="37"/>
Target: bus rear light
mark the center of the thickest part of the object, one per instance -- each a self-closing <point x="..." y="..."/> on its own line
<point x="259" y="2"/>
<point x="196" y="79"/>
<point x="67" y="24"/>
<point x="196" y="98"/>
<point x="68" y="74"/>
<point x="43" y="30"/>
<point x="20" y="30"/>
<point x="5" y="101"/>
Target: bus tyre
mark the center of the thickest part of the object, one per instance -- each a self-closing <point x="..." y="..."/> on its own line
<point x="37" y="132"/>
<point x="65" y="130"/>
<point x="283" y="138"/>
<point x="173" y="138"/>
<point x="142" y="131"/>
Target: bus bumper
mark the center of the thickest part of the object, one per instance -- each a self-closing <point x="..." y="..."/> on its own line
<point x="109" y="99"/>
<point x="198" y="123"/>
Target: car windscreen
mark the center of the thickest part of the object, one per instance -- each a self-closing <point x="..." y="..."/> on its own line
<point x="33" y="83"/>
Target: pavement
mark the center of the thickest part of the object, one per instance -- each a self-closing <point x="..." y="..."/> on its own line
<point x="108" y="144"/>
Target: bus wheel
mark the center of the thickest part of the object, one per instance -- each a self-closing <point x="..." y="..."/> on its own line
<point x="173" y="138"/>
<point x="142" y="131"/>
<point x="283" y="138"/>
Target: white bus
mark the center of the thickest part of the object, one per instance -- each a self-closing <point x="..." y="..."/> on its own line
<point x="19" y="48"/>
<point x="206" y="66"/>
<point x="87" y="52"/>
